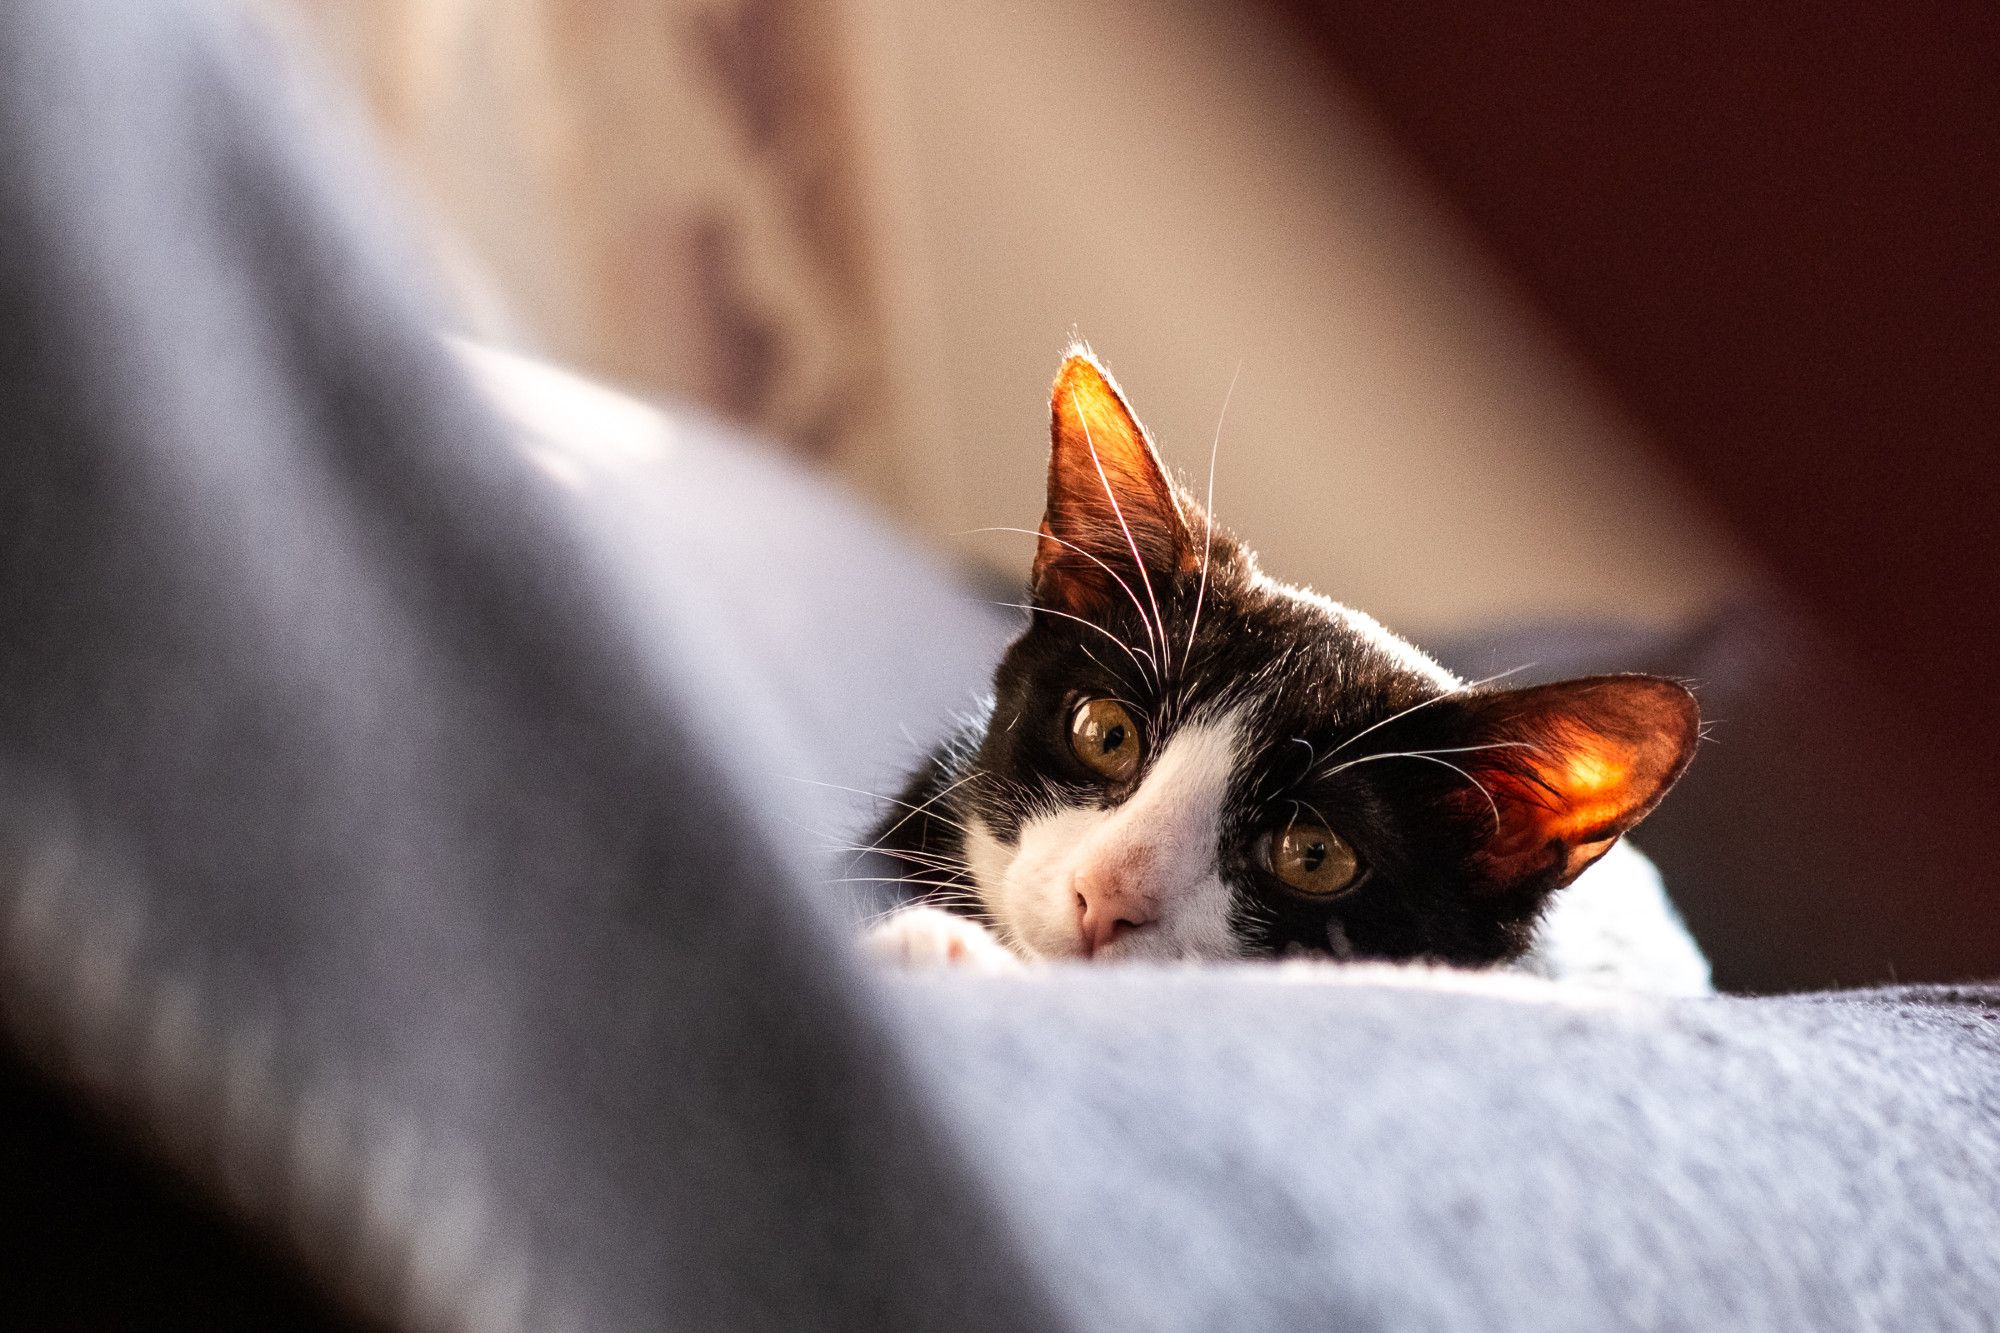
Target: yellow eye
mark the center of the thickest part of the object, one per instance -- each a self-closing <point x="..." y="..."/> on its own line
<point x="1106" y="738"/>
<point x="1312" y="859"/>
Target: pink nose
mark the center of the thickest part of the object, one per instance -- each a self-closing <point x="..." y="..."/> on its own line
<point x="1109" y="902"/>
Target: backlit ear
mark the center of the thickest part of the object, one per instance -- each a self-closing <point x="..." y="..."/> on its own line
<point x="1565" y="769"/>
<point x="1112" y="510"/>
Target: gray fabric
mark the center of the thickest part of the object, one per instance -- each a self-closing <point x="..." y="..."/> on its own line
<point x="397" y="840"/>
<point x="1223" y="1149"/>
<point x="365" y="845"/>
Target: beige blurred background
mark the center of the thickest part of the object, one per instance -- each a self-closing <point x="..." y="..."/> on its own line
<point x="867" y="227"/>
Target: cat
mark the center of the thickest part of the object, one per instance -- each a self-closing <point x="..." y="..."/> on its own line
<point x="1184" y="758"/>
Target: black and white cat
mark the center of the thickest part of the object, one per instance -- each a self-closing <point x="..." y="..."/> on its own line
<point x="1185" y="758"/>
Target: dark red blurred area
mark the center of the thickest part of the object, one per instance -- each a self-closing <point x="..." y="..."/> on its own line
<point x="1772" y="229"/>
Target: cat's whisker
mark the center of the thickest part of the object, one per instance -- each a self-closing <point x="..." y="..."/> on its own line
<point x="1208" y="514"/>
<point x="925" y="808"/>
<point x="1139" y="684"/>
<point x="877" y="848"/>
<point x="843" y="842"/>
<point x="1137" y="605"/>
<point x="1297" y="804"/>
<point x="957" y="889"/>
<point x="932" y="862"/>
<point x="946" y="868"/>
<point x="947" y="893"/>
<point x="867" y="919"/>
<point x="922" y="860"/>
<point x="892" y="800"/>
<point x="1051" y="611"/>
<point x="1157" y="629"/>
<point x="1452" y="693"/>
<point x="1432" y="758"/>
<point x="935" y="894"/>
<point x="1424" y="754"/>
<point x="830" y="843"/>
<point x="1084" y="648"/>
<point x="1009" y="938"/>
<point x="1091" y="556"/>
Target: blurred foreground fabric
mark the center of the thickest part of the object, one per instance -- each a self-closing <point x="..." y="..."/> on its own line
<point x="407" y="914"/>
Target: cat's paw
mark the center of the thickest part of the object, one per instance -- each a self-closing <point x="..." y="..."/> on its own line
<point x="920" y="938"/>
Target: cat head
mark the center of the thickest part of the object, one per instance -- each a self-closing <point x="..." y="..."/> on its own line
<point x="1188" y="758"/>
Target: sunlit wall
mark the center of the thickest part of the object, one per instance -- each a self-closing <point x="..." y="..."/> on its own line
<point x="869" y="227"/>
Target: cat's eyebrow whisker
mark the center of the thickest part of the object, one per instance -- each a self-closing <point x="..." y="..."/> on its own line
<point x="1452" y="693"/>
<point x="1297" y="804"/>
<point x="1430" y="757"/>
<point x="1051" y="611"/>
<point x="1208" y="515"/>
<point x="1424" y="754"/>
<point x="1137" y="605"/>
<point x="1084" y="648"/>
<point x="1157" y="629"/>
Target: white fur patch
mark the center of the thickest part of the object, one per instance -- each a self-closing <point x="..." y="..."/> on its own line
<point x="1172" y="825"/>
<point x="921" y="938"/>
<point x="1616" y="927"/>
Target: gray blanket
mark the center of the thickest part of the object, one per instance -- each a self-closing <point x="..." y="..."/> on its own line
<point x="398" y="843"/>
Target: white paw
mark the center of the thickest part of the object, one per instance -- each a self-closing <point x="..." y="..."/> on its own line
<point x="918" y="938"/>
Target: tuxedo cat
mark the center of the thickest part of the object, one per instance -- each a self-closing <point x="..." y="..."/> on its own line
<point x="1186" y="758"/>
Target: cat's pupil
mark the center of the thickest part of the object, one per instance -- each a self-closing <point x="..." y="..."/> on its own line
<point x="1114" y="739"/>
<point x="1315" y="857"/>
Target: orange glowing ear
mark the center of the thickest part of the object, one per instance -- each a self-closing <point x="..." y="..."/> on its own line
<point x="1113" y="513"/>
<point x="1565" y="769"/>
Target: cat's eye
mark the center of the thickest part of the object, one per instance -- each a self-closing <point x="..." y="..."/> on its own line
<point x="1105" y="738"/>
<point x="1311" y="859"/>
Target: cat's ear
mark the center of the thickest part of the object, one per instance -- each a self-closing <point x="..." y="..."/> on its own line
<point x="1558" y="772"/>
<point x="1112" y="509"/>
